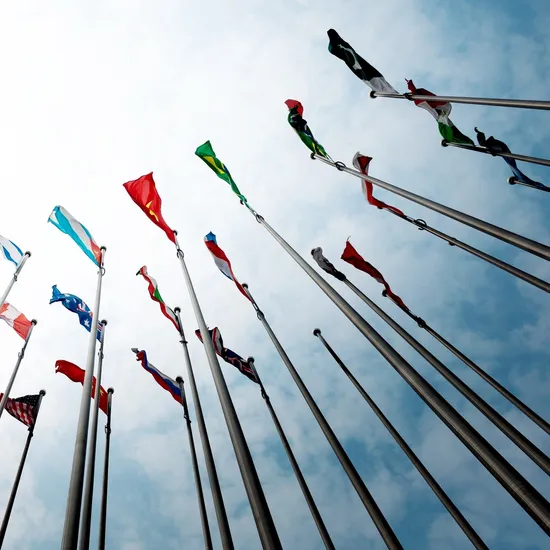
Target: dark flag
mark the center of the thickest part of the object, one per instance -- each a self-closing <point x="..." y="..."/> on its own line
<point x="295" y="112"/>
<point x="22" y="408"/>
<point x="325" y="265"/>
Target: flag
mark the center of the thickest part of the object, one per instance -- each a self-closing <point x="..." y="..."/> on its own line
<point x="23" y="408"/>
<point x="10" y="251"/>
<point x="15" y="320"/>
<point x="155" y="295"/>
<point x="496" y="146"/>
<point x="206" y="153"/>
<point x="229" y="356"/>
<point x="162" y="380"/>
<point x="76" y="374"/>
<point x="144" y="193"/>
<point x="295" y="112"/>
<point x="440" y="110"/>
<point x="361" y="162"/>
<point x="222" y="261"/>
<point x="76" y="305"/>
<point x="359" y="67"/>
<point x="78" y="233"/>
<point x="351" y="256"/>
<point x="325" y="265"/>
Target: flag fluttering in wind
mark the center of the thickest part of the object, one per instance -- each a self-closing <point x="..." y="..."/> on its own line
<point x="23" y="408"/>
<point x="10" y="251"/>
<point x="155" y="295"/>
<point x="229" y="356"/>
<point x="295" y="112"/>
<point x="361" y="162"/>
<point x="76" y="305"/>
<point x="144" y="193"/>
<point x="164" y="381"/>
<point x="76" y="374"/>
<point x="358" y="66"/>
<point x="206" y="153"/>
<point x="440" y="110"/>
<point x="326" y="265"/>
<point x="351" y="256"/>
<point x="222" y="261"/>
<point x="78" y="233"/>
<point x="15" y="320"/>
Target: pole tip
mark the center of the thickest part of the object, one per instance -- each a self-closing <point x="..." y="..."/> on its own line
<point x="111" y="390"/>
<point x="373" y="94"/>
<point x="104" y="248"/>
<point x="245" y="285"/>
<point x="177" y="309"/>
<point x="316" y="332"/>
<point x="135" y="350"/>
<point x="175" y="232"/>
<point x="42" y="392"/>
<point x="444" y="143"/>
<point x="512" y="180"/>
<point x="34" y="321"/>
<point x="28" y="254"/>
<point x="250" y="359"/>
<point x="103" y="322"/>
<point x="179" y="380"/>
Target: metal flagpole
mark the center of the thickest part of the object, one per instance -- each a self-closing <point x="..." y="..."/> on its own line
<point x="20" y="356"/>
<point x="24" y="259"/>
<point x="509" y="237"/>
<point x="194" y="462"/>
<point x="105" y="486"/>
<point x="462" y="522"/>
<point x="327" y="541"/>
<point x="87" y="500"/>
<point x="514" y="181"/>
<point x="494" y="102"/>
<point x="381" y="523"/>
<point x="521" y="490"/>
<point x="217" y="497"/>
<point x="262" y="515"/>
<point x="13" y="493"/>
<point x="74" y="497"/>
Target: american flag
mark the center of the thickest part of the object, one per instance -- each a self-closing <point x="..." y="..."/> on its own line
<point x="22" y="408"/>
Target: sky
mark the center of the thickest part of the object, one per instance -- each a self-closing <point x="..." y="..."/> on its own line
<point x="98" y="93"/>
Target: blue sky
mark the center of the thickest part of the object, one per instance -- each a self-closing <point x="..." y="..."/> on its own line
<point x="96" y="95"/>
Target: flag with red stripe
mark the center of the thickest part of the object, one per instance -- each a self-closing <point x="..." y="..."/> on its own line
<point x="22" y="408"/>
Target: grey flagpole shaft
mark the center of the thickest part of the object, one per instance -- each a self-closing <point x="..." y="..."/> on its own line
<point x="529" y="245"/>
<point x="258" y="503"/>
<point x="15" y="275"/>
<point x="105" y="483"/>
<point x="87" y="499"/>
<point x="513" y="434"/>
<point x="456" y="514"/>
<point x="13" y="494"/>
<point x="521" y="490"/>
<point x="15" y="370"/>
<point x="217" y="496"/>
<point x="514" y="181"/>
<point x="74" y="497"/>
<point x="195" y="465"/>
<point x="380" y="521"/>
<point x="327" y="541"/>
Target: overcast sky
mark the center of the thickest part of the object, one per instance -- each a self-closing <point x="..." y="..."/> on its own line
<point x="97" y="93"/>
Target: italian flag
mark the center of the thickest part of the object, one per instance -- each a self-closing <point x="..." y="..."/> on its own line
<point x="155" y="296"/>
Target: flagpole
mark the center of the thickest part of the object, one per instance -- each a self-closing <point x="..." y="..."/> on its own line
<point x="367" y="499"/>
<point x="105" y="485"/>
<point x="514" y="181"/>
<point x="217" y="496"/>
<point x="24" y="259"/>
<point x="15" y="486"/>
<point x="74" y="497"/>
<point x="519" y="488"/>
<point x="262" y="515"/>
<point x="194" y="462"/>
<point x="87" y="500"/>
<point x="327" y="541"/>
<point x="500" y="233"/>
<point x="20" y="356"/>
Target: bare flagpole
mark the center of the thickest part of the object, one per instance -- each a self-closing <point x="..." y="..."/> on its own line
<point x="15" y="275"/>
<point x="105" y="484"/>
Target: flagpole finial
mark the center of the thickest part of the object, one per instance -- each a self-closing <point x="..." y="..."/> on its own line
<point x="28" y="254"/>
<point x="317" y="332"/>
<point x="179" y="380"/>
<point x="244" y="285"/>
<point x="104" y="248"/>
<point x="42" y="392"/>
<point x="250" y="359"/>
<point x="34" y="321"/>
<point x="135" y="350"/>
<point x="177" y="309"/>
<point x="373" y="94"/>
<point x="111" y="390"/>
<point x="444" y="143"/>
<point x="512" y="180"/>
<point x="103" y="322"/>
<point x="175" y="232"/>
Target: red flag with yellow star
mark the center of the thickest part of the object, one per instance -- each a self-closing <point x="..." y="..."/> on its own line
<point x="144" y="193"/>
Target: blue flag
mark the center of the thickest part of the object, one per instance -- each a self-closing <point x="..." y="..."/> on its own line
<point x="76" y="305"/>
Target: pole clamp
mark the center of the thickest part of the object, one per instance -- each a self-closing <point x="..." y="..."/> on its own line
<point x="259" y="217"/>
<point x="339" y="165"/>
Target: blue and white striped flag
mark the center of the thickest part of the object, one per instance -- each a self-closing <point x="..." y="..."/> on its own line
<point x="10" y="251"/>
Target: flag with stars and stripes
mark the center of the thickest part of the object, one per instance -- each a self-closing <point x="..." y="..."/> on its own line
<point x="23" y="408"/>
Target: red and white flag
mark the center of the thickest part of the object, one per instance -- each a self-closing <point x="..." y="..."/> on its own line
<point x="16" y="320"/>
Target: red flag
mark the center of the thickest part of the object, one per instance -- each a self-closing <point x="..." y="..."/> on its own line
<point x="145" y="195"/>
<point x="16" y="320"/>
<point x="76" y="374"/>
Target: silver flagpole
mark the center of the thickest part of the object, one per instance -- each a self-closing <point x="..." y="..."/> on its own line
<point x="509" y="237"/>
<point x="20" y="356"/>
<point x="521" y="490"/>
<point x="327" y="541"/>
<point x="217" y="496"/>
<point x="24" y="259"/>
<point x="13" y="493"/>
<point x="87" y="500"/>
<point x="74" y="497"/>
<point x="262" y="515"/>
<point x="196" y="474"/>
<point x="381" y="523"/>
<point x="514" y="181"/>
<point x="105" y="485"/>
<point x="462" y="522"/>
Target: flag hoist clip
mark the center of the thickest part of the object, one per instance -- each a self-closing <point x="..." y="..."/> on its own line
<point x="177" y="309"/>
